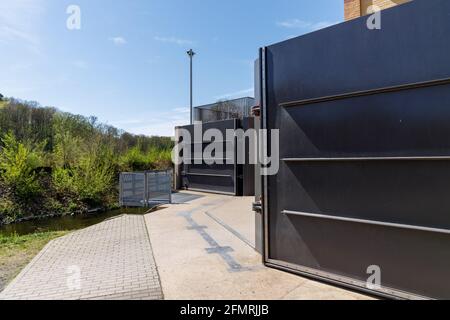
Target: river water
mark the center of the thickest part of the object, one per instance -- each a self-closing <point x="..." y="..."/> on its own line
<point x="66" y="223"/>
<point x="70" y="223"/>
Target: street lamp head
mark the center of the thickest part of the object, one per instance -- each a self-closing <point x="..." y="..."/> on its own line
<point x="191" y="53"/>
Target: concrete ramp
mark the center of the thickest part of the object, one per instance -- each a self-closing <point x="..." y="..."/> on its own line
<point x="204" y="250"/>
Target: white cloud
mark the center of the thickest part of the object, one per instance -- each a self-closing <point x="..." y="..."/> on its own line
<point x="20" y="20"/>
<point x="301" y="24"/>
<point x="182" y="110"/>
<point x="80" y="64"/>
<point x="14" y="89"/>
<point x="237" y="94"/>
<point x="178" y="41"/>
<point x="162" y="125"/>
<point x="246" y="62"/>
<point x="118" y="41"/>
<point x="153" y="60"/>
<point x="160" y="128"/>
<point x="293" y="23"/>
<point x="322" y="24"/>
<point x="155" y="124"/>
<point x="20" y="67"/>
<point x="119" y="123"/>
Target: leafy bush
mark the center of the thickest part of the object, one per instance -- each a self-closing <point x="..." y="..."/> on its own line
<point x="160" y="159"/>
<point x="93" y="178"/>
<point x="89" y="180"/>
<point x="18" y="162"/>
<point x="8" y="210"/>
<point x="67" y="148"/>
<point x="134" y="160"/>
<point x="63" y="181"/>
<point x="155" y="159"/>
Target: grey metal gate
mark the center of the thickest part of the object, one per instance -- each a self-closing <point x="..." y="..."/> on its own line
<point x="364" y="180"/>
<point x="145" y="189"/>
<point x="222" y="178"/>
<point x="217" y="178"/>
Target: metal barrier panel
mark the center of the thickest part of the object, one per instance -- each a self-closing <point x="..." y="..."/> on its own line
<point x="224" y="110"/>
<point x="145" y="189"/>
<point x="364" y="177"/>
<point x="159" y="187"/>
<point x="215" y="178"/>
<point x="224" y="178"/>
<point x="132" y="190"/>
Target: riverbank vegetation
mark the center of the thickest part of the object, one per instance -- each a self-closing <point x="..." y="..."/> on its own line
<point x="53" y="162"/>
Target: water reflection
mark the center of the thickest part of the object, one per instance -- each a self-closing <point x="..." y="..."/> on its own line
<point x="67" y="223"/>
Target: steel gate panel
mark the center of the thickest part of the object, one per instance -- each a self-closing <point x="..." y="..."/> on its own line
<point x="224" y="178"/>
<point x="132" y="189"/>
<point x="364" y="175"/>
<point x="215" y="178"/>
<point x="145" y="189"/>
<point x="159" y="187"/>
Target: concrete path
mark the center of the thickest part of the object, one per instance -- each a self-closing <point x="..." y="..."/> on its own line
<point x="204" y="251"/>
<point x="111" y="260"/>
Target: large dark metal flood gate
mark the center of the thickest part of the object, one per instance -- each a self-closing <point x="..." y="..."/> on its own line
<point x="364" y="180"/>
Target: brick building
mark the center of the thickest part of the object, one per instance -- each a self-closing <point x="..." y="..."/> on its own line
<point x="358" y="8"/>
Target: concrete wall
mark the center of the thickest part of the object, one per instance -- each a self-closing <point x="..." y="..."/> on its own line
<point x="357" y="8"/>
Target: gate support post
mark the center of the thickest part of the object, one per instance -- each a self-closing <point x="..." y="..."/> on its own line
<point x="146" y="195"/>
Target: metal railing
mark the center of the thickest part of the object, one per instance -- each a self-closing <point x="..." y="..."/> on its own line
<point x="145" y="189"/>
<point x="224" y="110"/>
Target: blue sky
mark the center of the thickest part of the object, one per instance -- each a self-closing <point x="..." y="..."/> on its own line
<point x="127" y="64"/>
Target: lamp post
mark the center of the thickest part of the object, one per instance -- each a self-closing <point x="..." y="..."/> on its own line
<point x="191" y="55"/>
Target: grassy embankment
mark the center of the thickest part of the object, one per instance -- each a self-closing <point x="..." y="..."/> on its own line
<point x="17" y="251"/>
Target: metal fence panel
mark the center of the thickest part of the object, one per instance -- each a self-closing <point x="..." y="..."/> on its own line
<point x="145" y="189"/>
<point x="224" y="110"/>
<point x="132" y="190"/>
<point x="159" y="187"/>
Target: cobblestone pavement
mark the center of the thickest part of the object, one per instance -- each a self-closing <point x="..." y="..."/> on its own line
<point x="109" y="261"/>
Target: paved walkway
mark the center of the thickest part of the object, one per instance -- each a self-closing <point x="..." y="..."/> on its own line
<point x="111" y="260"/>
<point x="204" y="250"/>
